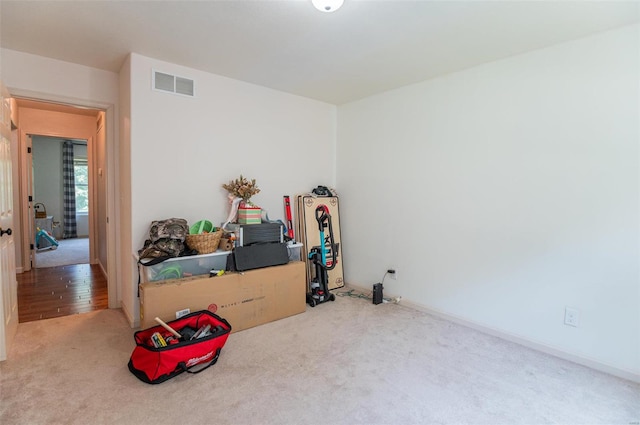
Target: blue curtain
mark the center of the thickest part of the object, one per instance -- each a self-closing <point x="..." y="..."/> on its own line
<point x="69" y="191"/>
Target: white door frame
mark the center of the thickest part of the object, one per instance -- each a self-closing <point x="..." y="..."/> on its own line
<point x="112" y="178"/>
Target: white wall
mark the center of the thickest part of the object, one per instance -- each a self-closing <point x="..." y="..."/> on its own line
<point x="183" y="149"/>
<point x="506" y="192"/>
<point x="25" y="72"/>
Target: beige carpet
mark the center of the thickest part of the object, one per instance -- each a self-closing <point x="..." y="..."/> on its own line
<point x="69" y="251"/>
<point x="346" y="362"/>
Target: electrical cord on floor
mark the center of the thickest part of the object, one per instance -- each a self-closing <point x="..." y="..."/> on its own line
<point x="353" y="294"/>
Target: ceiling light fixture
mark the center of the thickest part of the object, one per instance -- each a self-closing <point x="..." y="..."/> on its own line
<point x="327" y="5"/>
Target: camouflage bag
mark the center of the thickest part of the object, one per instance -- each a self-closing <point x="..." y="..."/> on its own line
<point x="166" y="239"/>
<point x="162" y="248"/>
<point x="172" y="228"/>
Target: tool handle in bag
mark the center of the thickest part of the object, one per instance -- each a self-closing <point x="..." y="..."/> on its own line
<point x="167" y="327"/>
<point x="192" y="369"/>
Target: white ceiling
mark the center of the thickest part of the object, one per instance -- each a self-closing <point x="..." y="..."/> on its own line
<point x="364" y="48"/>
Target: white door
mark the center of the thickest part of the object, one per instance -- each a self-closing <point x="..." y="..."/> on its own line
<point x="8" y="283"/>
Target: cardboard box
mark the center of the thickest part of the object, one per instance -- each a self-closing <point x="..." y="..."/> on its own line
<point x="309" y="234"/>
<point x="245" y="299"/>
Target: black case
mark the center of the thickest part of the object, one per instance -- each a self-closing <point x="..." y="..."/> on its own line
<point x="260" y="255"/>
<point x="260" y="233"/>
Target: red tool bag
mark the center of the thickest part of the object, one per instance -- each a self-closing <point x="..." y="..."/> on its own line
<point x="153" y="363"/>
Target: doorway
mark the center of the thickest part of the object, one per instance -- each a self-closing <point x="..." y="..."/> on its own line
<point x="60" y="170"/>
<point x="44" y="128"/>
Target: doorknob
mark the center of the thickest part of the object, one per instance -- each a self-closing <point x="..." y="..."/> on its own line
<point x="2" y="232"/>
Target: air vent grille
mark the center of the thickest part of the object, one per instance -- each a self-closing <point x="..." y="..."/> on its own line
<point x="184" y="86"/>
<point x="173" y="84"/>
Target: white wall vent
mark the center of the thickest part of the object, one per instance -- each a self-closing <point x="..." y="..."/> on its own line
<point x="172" y="84"/>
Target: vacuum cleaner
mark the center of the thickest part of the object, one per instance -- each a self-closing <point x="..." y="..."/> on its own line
<point x="319" y="286"/>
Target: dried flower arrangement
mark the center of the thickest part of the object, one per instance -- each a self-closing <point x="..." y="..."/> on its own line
<point x="242" y="188"/>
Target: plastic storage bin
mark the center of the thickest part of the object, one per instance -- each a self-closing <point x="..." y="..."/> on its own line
<point x="294" y="251"/>
<point x="179" y="267"/>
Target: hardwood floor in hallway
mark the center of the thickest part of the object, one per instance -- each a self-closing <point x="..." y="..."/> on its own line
<point x="61" y="291"/>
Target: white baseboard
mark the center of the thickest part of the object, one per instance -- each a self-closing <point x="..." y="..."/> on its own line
<point x="104" y="272"/>
<point x="19" y="269"/>
<point x="538" y="346"/>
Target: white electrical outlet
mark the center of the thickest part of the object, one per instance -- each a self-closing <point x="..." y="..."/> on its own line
<point x="393" y="275"/>
<point x="571" y="317"/>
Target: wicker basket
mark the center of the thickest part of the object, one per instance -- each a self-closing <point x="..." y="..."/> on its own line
<point x="41" y="210"/>
<point x="204" y="243"/>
